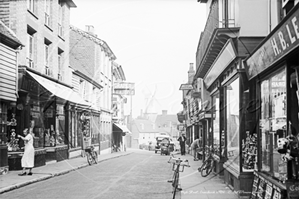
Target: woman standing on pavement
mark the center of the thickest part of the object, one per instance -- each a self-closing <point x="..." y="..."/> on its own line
<point x="27" y="161"/>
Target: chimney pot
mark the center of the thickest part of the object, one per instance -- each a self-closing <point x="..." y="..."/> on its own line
<point x="90" y="29"/>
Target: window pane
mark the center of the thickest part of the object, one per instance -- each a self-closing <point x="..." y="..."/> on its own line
<point x="216" y="121"/>
<point x="233" y="121"/>
<point x="273" y="123"/>
<point x="278" y="120"/>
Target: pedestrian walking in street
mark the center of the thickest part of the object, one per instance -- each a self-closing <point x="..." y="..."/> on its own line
<point x="182" y="140"/>
<point x="195" y="147"/>
<point x="27" y="161"/>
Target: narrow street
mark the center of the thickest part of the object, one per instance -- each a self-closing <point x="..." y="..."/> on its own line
<point x="142" y="174"/>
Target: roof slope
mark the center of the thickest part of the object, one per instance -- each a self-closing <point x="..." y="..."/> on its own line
<point x="145" y="126"/>
<point x="8" y="37"/>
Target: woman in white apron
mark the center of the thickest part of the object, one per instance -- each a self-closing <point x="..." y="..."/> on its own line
<point x="27" y="160"/>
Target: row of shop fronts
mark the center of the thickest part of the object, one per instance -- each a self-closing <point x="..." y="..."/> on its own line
<point x="61" y="121"/>
<point x="247" y="108"/>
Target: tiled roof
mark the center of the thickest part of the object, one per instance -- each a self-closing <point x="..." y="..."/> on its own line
<point x="166" y="119"/>
<point x="145" y="126"/>
<point x="98" y="41"/>
<point x="8" y="33"/>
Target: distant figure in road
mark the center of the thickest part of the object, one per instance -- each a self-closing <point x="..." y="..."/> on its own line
<point x="195" y="146"/>
<point x="182" y="140"/>
<point x="27" y="160"/>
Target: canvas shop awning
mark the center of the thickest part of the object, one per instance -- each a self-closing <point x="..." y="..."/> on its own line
<point x="59" y="90"/>
<point x="121" y="128"/>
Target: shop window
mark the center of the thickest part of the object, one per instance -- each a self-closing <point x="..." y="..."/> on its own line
<point x="273" y="124"/>
<point x="233" y="121"/>
<point x="216" y="122"/>
<point x="60" y="125"/>
<point x="3" y="122"/>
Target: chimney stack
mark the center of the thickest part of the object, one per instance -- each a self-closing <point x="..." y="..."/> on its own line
<point x="191" y="73"/>
<point x="164" y="112"/>
<point x="90" y="29"/>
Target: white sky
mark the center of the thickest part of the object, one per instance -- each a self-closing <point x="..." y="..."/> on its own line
<point x="153" y="40"/>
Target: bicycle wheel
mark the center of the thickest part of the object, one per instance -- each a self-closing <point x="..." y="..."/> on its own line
<point x="212" y="165"/>
<point x="206" y="169"/>
<point x="95" y="157"/>
<point x="202" y="166"/>
<point x="89" y="158"/>
<point x="175" y="184"/>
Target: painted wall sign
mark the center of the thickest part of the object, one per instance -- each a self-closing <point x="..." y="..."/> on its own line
<point x="282" y="41"/>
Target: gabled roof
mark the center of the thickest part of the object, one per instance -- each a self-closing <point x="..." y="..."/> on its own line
<point x="95" y="39"/>
<point x="165" y="119"/>
<point x="8" y="37"/>
<point x="70" y="3"/>
<point x="145" y="126"/>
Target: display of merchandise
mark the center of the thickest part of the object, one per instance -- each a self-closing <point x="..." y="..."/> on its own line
<point x="13" y="145"/>
<point x="249" y="151"/>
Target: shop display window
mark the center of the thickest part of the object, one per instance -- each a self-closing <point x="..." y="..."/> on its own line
<point x="3" y="118"/>
<point x="273" y="124"/>
<point x="60" y="125"/>
<point x="36" y="123"/>
<point x="49" y="120"/>
<point x="216" y="122"/>
<point x="233" y="121"/>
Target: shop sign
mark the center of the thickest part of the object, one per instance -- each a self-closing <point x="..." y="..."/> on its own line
<point x="186" y="87"/>
<point x="222" y="61"/>
<point x="181" y="117"/>
<point x="124" y="88"/>
<point x="281" y="42"/>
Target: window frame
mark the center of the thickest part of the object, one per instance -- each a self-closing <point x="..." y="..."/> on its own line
<point x="47" y="12"/>
<point x="31" y="5"/>
<point x="270" y="114"/>
<point x="30" y="50"/>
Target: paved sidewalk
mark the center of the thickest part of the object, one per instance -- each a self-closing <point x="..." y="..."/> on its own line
<point x="194" y="186"/>
<point x="11" y="180"/>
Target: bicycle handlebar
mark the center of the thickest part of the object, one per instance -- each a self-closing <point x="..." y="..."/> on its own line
<point x="178" y="161"/>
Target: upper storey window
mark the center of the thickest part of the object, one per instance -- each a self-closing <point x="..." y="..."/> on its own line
<point x="31" y="5"/>
<point x="47" y="12"/>
<point x="287" y="6"/>
<point x="60" y="19"/>
<point x="227" y="13"/>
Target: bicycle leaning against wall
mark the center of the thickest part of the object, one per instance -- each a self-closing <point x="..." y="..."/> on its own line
<point x="209" y="163"/>
<point x="178" y="166"/>
<point x="91" y="155"/>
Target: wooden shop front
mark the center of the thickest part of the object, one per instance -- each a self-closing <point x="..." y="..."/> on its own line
<point x="273" y="70"/>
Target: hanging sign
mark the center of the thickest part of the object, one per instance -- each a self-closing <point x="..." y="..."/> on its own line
<point x="186" y="87"/>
